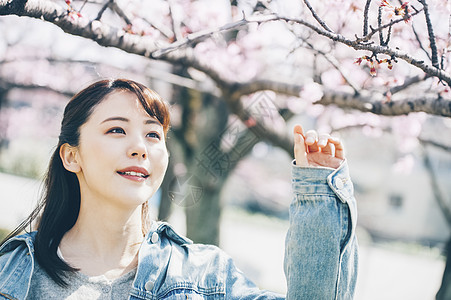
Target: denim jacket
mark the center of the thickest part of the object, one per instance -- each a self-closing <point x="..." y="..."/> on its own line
<point x="320" y="252"/>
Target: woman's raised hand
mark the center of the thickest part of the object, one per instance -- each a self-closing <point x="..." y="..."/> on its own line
<point x="311" y="150"/>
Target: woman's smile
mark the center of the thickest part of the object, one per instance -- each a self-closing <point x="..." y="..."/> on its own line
<point x="134" y="173"/>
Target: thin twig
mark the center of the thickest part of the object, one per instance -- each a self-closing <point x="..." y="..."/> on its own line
<point x="387" y="40"/>
<point x="391" y="23"/>
<point x="417" y="37"/>
<point x="365" y="17"/>
<point x="379" y="25"/>
<point x="161" y="28"/>
<point x="174" y="23"/>
<point x="102" y="10"/>
<point x="83" y="5"/>
<point x="317" y="18"/>
<point x="120" y="12"/>
<point x="432" y="43"/>
<point x="335" y="64"/>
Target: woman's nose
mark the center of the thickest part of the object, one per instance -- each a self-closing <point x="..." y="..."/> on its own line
<point x="137" y="149"/>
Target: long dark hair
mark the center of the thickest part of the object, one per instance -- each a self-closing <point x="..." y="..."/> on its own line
<point x="59" y="206"/>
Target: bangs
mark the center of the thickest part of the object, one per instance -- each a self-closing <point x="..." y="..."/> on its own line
<point x="152" y="103"/>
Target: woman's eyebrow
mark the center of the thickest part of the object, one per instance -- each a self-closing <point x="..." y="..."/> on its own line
<point x="152" y="121"/>
<point x="115" y="119"/>
<point x="148" y="121"/>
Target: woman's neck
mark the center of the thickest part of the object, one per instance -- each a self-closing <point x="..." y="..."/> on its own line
<point x="104" y="241"/>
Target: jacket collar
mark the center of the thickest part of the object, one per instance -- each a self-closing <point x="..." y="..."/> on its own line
<point x="14" y="242"/>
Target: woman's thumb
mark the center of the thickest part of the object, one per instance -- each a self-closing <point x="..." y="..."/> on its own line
<point x="300" y="153"/>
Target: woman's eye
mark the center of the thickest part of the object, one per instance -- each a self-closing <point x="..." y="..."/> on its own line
<point x="116" y="130"/>
<point x="153" y="135"/>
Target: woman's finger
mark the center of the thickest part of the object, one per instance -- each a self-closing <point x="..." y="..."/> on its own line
<point x="339" y="150"/>
<point x="325" y="145"/>
<point x="311" y="140"/>
<point x="300" y="153"/>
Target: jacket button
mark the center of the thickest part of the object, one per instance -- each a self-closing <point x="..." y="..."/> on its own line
<point x="149" y="286"/>
<point x="154" y="239"/>
<point x="339" y="183"/>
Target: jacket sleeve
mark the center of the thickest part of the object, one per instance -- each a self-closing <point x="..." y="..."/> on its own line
<point x="238" y="286"/>
<point x="321" y="246"/>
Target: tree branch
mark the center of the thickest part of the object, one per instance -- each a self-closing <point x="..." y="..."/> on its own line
<point x="407" y="83"/>
<point x="368" y="37"/>
<point x="241" y="89"/>
<point x="198" y="37"/>
<point x="317" y="18"/>
<point x="7" y="85"/>
<point x="101" y="33"/>
<point x="445" y="148"/>
<point x="145" y="46"/>
<point x="431" y="105"/>
<point x="357" y="45"/>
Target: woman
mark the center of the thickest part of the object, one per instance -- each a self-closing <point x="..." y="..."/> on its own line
<point x="93" y="238"/>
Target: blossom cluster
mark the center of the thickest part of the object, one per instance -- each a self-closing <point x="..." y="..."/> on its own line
<point x="374" y="63"/>
<point x="403" y="11"/>
<point x="71" y="12"/>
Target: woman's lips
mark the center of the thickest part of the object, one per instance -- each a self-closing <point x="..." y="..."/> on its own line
<point x="134" y="173"/>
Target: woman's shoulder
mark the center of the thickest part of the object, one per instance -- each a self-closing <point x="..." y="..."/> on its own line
<point x="25" y="241"/>
<point x="187" y="266"/>
<point x="182" y="248"/>
<point x="16" y="251"/>
<point x="16" y="265"/>
<point x="165" y="231"/>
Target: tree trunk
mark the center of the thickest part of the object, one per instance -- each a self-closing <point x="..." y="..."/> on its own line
<point x="3" y="122"/>
<point x="444" y="293"/>
<point x="203" y="218"/>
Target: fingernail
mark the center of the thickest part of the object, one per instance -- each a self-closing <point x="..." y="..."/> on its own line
<point x="310" y="140"/>
<point x="335" y="139"/>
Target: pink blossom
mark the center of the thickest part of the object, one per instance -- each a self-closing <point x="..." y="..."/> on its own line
<point x="311" y="92"/>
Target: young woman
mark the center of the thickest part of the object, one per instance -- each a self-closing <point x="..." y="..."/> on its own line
<point x="94" y="240"/>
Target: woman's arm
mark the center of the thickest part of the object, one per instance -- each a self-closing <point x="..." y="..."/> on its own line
<point x="321" y="247"/>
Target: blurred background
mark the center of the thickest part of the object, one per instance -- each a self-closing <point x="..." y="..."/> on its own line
<point x="237" y="83"/>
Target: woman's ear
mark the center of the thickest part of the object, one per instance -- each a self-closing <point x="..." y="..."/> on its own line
<point x="68" y="156"/>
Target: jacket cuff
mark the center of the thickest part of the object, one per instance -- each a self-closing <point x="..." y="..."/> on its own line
<point x="323" y="180"/>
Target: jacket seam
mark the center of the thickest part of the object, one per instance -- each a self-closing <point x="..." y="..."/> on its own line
<point x="191" y="287"/>
<point x="7" y="296"/>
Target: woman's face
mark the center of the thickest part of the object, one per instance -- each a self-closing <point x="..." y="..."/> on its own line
<point x="122" y="152"/>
